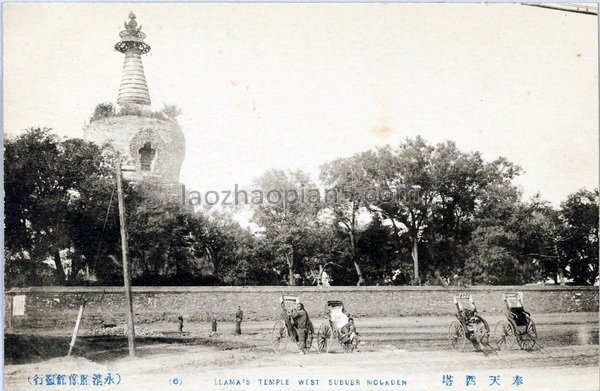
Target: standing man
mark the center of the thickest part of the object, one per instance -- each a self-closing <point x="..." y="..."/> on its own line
<point x="214" y="327"/>
<point x="300" y="318"/>
<point x="239" y="316"/>
<point x="180" y="319"/>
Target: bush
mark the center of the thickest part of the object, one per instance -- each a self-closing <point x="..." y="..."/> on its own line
<point x="171" y="111"/>
<point x="107" y="110"/>
<point x="103" y="110"/>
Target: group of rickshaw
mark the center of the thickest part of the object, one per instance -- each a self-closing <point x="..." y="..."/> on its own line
<point x="330" y="331"/>
<point x="470" y="326"/>
<point x="518" y="327"/>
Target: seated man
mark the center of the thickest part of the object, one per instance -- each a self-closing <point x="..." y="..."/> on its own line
<point x="479" y="330"/>
<point x="348" y="334"/>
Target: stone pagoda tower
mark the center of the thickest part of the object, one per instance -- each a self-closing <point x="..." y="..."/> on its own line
<point x="133" y="82"/>
<point x="151" y="142"/>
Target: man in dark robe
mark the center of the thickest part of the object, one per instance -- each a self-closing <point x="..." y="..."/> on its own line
<point x="239" y="316"/>
<point x="301" y="321"/>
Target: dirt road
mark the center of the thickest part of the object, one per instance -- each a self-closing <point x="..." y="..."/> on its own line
<point x="409" y="353"/>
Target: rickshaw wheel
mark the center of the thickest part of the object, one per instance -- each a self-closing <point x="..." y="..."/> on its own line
<point x="323" y="338"/>
<point x="527" y="339"/>
<point x="279" y="335"/>
<point x="504" y="334"/>
<point x="457" y="336"/>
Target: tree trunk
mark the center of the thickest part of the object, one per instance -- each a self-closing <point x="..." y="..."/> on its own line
<point x="558" y="276"/>
<point x="561" y="276"/>
<point x="415" y="257"/>
<point x="77" y="264"/>
<point x="320" y="275"/>
<point x="361" y="280"/>
<point x="398" y="240"/>
<point x="290" y="261"/>
<point x="74" y="271"/>
<point x="212" y="258"/>
<point x="396" y="234"/>
<point x="146" y="271"/>
<point x="60" y="271"/>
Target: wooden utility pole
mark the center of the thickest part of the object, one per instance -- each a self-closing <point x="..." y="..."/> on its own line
<point x="76" y="331"/>
<point x="10" y="312"/>
<point x="124" y="251"/>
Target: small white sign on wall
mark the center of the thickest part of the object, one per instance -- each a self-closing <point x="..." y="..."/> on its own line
<point x="18" y="305"/>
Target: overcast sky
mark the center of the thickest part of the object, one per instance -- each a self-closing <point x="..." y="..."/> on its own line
<point x="296" y="85"/>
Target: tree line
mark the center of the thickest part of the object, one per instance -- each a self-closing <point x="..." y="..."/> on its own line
<point x="465" y="220"/>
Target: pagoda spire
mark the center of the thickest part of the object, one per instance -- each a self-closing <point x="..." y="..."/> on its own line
<point x="134" y="88"/>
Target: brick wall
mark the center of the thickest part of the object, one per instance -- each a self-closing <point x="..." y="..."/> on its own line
<point x="57" y="306"/>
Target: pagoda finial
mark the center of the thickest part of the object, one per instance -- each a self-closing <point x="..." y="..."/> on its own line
<point x="132" y="24"/>
<point x="132" y="37"/>
<point x="133" y="82"/>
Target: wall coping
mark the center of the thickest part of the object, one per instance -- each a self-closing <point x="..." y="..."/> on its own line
<point x="288" y="289"/>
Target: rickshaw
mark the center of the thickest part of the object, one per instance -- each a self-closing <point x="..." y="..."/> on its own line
<point x="518" y="324"/>
<point x="330" y="330"/>
<point x="285" y="329"/>
<point x="469" y="326"/>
